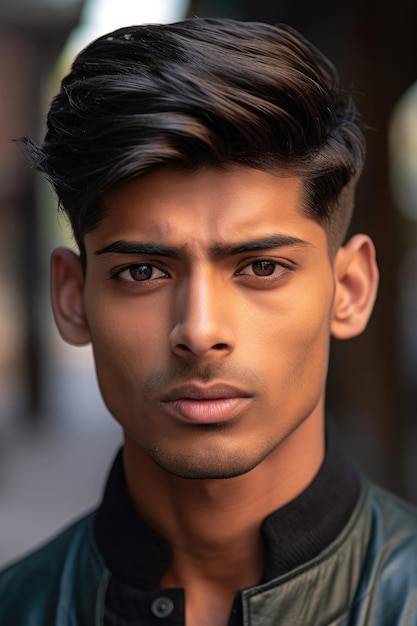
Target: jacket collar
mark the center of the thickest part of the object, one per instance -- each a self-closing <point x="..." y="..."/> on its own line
<point x="321" y="591"/>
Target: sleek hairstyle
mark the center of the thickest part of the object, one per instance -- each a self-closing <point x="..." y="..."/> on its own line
<point x="202" y="92"/>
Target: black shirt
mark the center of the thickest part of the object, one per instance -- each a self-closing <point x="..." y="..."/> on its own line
<point x="137" y="556"/>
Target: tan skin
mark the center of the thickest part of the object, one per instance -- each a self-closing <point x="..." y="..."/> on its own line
<point x="211" y="351"/>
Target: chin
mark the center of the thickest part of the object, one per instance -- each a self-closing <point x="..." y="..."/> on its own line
<point x="193" y="468"/>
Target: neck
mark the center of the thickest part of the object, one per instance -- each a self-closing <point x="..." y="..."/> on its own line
<point x="213" y="526"/>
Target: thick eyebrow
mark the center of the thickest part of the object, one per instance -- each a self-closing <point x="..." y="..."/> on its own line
<point x="266" y="243"/>
<point x="217" y="251"/>
<point x="133" y="247"/>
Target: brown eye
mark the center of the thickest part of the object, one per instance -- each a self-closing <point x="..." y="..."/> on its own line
<point x="263" y="268"/>
<point x="140" y="272"/>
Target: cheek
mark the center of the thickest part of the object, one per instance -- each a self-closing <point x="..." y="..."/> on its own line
<point x="125" y="324"/>
<point x="127" y="341"/>
<point x="294" y="342"/>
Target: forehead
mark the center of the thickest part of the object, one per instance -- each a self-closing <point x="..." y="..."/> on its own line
<point x="206" y="206"/>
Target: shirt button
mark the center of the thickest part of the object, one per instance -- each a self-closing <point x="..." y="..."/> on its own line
<point x="162" y="607"/>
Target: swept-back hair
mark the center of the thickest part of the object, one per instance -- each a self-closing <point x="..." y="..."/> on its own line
<point x="202" y="92"/>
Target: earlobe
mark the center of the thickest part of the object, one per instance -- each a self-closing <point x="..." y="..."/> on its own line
<point x="356" y="283"/>
<point x="67" y="284"/>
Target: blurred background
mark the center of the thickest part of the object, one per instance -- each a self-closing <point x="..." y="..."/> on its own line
<point x="56" y="437"/>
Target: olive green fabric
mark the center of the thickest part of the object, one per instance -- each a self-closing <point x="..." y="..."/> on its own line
<point x="367" y="577"/>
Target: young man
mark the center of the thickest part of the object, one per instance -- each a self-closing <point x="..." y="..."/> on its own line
<point x="208" y="170"/>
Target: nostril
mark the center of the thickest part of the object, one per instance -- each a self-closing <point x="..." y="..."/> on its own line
<point x="182" y="346"/>
<point x="220" y="346"/>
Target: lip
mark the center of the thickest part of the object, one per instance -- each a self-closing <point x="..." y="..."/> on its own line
<point x="195" y="391"/>
<point x="206" y="404"/>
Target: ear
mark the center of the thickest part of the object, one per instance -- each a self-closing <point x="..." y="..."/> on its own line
<point x="67" y="286"/>
<point x="356" y="283"/>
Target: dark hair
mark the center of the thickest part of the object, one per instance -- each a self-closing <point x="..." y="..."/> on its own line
<point x="202" y="92"/>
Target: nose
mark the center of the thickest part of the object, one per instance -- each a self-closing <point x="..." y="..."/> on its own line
<point x="202" y="319"/>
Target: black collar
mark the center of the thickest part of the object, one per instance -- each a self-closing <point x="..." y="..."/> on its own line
<point x="294" y="534"/>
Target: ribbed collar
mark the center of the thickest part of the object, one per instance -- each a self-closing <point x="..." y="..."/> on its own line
<point x="294" y="534"/>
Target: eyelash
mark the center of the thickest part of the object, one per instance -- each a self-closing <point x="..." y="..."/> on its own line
<point x="117" y="274"/>
<point x="268" y="277"/>
<point x="275" y="265"/>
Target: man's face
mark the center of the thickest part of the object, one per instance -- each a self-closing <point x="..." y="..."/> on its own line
<point x="208" y="298"/>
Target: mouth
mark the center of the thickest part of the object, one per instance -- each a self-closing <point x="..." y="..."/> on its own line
<point x="213" y="404"/>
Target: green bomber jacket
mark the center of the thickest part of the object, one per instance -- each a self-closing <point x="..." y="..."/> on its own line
<point x="366" y="577"/>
